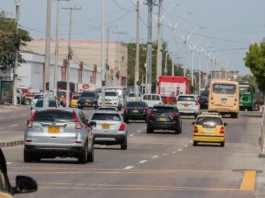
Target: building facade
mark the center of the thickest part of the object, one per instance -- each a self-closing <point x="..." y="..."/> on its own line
<point x="89" y="52"/>
<point x="31" y="73"/>
<point x="224" y="75"/>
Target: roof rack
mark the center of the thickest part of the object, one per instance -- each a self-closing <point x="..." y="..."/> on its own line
<point x="210" y="113"/>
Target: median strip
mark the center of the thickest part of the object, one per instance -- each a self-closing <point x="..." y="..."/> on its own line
<point x="248" y="181"/>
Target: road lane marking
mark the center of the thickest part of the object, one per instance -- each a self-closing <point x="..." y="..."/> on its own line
<point x="13" y="116"/>
<point x="24" y="114"/>
<point x="248" y="181"/>
<point x="180" y="149"/>
<point x="186" y="146"/>
<point x="2" y="117"/>
<point x="2" y="127"/>
<point x="8" y="163"/>
<point x="190" y="141"/>
<point x="164" y="154"/>
<point x="143" y="161"/>
<point x="174" y="152"/>
<point x="104" y="146"/>
<point x="14" y="125"/>
<point x="128" y="167"/>
<point x="139" y="131"/>
<point x="132" y="135"/>
<point x="155" y="156"/>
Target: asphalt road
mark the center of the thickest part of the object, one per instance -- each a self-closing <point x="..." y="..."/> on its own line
<point x="155" y="165"/>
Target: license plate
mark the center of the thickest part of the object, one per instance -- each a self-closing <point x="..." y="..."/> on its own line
<point x="186" y="105"/>
<point x="105" y="126"/>
<point x="107" y="102"/>
<point x="208" y="129"/>
<point x="135" y="111"/>
<point x="53" y="129"/>
<point x="163" y="119"/>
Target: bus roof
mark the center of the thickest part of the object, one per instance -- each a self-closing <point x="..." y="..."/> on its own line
<point x="225" y="82"/>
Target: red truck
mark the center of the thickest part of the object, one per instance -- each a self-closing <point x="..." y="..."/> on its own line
<point x="169" y="87"/>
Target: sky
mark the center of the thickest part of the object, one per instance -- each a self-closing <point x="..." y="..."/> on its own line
<point x="229" y="25"/>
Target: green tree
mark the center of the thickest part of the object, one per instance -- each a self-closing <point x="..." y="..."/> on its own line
<point x="255" y="61"/>
<point x="10" y="41"/>
<point x="143" y="52"/>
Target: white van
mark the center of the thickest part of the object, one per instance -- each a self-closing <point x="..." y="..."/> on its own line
<point x="152" y="99"/>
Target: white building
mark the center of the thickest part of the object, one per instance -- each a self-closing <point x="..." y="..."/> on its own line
<point x="30" y="73"/>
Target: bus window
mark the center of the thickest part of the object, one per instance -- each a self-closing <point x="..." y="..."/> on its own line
<point x="224" y="89"/>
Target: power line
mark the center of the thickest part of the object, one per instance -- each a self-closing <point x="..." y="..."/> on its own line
<point x="121" y="7"/>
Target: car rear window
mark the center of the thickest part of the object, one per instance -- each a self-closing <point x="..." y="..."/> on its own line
<point x="164" y="109"/>
<point x="131" y="95"/>
<point x="52" y="103"/>
<point x="137" y="104"/>
<point x="111" y="94"/>
<point x="105" y="116"/>
<point x="51" y="115"/>
<point x="186" y="98"/>
<point x="38" y="96"/>
<point x="88" y="94"/>
<point x="209" y="121"/>
<point x="107" y="109"/>
<point x="75" y="97"/>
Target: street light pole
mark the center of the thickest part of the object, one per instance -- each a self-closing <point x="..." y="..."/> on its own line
<point x="136" y="77"/>
<point x="103" y="68"/>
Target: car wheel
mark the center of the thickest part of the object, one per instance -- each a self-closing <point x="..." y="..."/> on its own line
<point x="27" y="157"/>
<point x="27" y="102"/>
<point x="124" y="145"/>
<point x="234" y="115"/>
<point x="178" y="131"/>
<point x="149" y="130"/>
<point x="223" y="144"/>
<point x="80" y="107"/>
<point x="195" y="143"/>
<point x="82" y="158"/>
<point x="96" y="105"/>
<point x="90" y="155"/>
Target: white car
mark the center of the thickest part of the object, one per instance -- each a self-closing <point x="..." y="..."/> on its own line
<point x="188" y="105"/>
<point x="131" y="97"/>
<point x="112" y="98"/>
<point x="152" y="99"/>
<point x="35" y="99"/>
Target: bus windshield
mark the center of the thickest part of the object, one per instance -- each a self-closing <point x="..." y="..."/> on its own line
<point x="244" y="87"/>
<point x="224" y="89"/>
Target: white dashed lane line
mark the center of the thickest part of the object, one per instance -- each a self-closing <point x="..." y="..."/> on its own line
<point x="24" y="114"/>
<point x="186" y="146"/>
<point x="174" y="152"/>
<point x="8" y="163"/>
<point x="139" y="131"/>
<point x="128" y="167"/>
<point x="2" y="117"/>
<point x="143" y="161"/>
<point x="180" y="149"/>
<point x="155" y="157"/>
<point x="132" y="135"/>
<point x="164" y="154"/>
<point x="14" y="125"/>
<point x="190" y="141"/>
<point x="13" y="116"/>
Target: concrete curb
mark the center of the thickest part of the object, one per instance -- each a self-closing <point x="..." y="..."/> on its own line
<point x="11" y="143"/>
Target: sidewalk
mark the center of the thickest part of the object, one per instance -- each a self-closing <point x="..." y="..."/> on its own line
<point x="10" y="107"/>
<point x="7" y="139"/>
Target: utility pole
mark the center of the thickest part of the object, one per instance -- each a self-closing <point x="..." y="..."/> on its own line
<point x="103" y="68"/>
<point x="165" y="70"/>
<point x="47" y="55"/>
<point x="16" y="57"/>
<point x="173" y="52"/>
<point x="107" y="56"/>
<point x="136" y="76"/>
<point x="158" y="56"/>
<point x="69" y="57"/>
<point x="57" y="47"/>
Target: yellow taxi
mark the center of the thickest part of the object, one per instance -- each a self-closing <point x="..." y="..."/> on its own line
<point x="209" y="128"/>
<point x="74" y="101"/>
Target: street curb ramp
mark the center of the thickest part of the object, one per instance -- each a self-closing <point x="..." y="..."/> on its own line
<point x="11" y="143"/>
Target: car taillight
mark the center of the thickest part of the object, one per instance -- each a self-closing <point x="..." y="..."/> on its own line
<point x="32" y="119"/>
<point x="151" y="115"/>
<point x="176" y="101"/>
<point x="77" y="123"/>
<point x="122" y="127"/>
<point x="197" y="103"/>
<point x="222" y="130"/>
<point x="175" y="115"/>
<point x="125" y="110"/>
<point x="145" y="110"/>
<point x="196" y="129"/>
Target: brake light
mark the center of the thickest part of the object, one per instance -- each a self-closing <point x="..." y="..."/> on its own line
<point x="197" y="103"/>
<point x="222" y="130"/>
<point x="151" y="115"/>
<point x="175" y="115"/>
<point x="196" y="130"/>
<point x="125" y="110"/>
<point x="77" y="123"/>
<point x="145" y="110"/>
<point x="122" y="127"/>
<point x="32" y="119"/>
<point x="28" y="140"/>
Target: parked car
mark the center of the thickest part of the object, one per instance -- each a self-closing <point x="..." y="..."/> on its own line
<point x="58" y="132"/>
<point x="164" y="117"/>
<point x="109" y="129"/>
<point x="135" y="110"/>
<point x="24" y="184"/>
<point x="188" y="105"/>
<point x="88" y="99"/>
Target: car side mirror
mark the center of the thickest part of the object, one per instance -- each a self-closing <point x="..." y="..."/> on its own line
<point x="225" y="124"/>
<point x="193" y="123"/>
<point x="93" y="124"/>
<point x="27" y="122"/>
<point x="31" y="108"/>
<point x="25" y="184"/>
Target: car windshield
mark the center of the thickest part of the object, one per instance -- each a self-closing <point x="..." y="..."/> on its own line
<point x="209" y="121"/>
<point x="52" y="115"/>
<point x="163" y="109"/>
<point x="60" y="94"/>
<point x="105" y="116"/>
<point x="107" y="109"/>
<point x="38" y="96"/>
<point x="88" y="94"/>
<point x="224" y="89"/>
<point x="131" y="95"/>
<point x="137" y="104"/>
<point x="111" y="94"/>
<point x="75" y="97"/>
<point x="52" y="103"/>
<point x="186" y="98"/>
<point x="244" y="87"/>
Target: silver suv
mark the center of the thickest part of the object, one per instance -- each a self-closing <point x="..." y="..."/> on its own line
<point x="109" y="128"/>
<point x="188" y="105"/>
<point x="58" y="132"/>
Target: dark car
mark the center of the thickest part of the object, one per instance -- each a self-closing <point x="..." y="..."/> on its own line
<point x="203" y="99"/>
<point x="88" y="99"/>
<point x="135" y="110"/>
<point x="164" y="117"/>
<point x="24" y="184"/>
